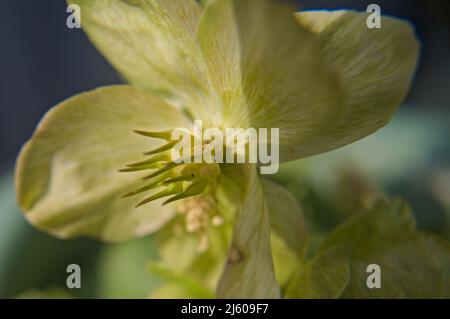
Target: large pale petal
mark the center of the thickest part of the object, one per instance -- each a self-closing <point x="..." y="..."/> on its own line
<point x="375" y="68"/>
<point x="152" y="43"/>
<point x="249" y="272"/>
<point x="267" y="70"/>
<point x="67" y="177"/>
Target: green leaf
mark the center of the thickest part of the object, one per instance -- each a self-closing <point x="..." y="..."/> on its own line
<point x="413" y="264"/>
<point x="388" y="221"/>
<point x="67" y="178"/>
<point x="375" y="69"/>
<point x="249" y="272"/>
<point x="323" y="277"/>
<point x="415" y="268"/>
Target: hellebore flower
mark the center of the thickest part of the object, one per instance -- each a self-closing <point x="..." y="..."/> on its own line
<point x="323" y="78"/>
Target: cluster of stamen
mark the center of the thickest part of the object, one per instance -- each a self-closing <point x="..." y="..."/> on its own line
<point x="177" y="180"/>
<point x="199" y="214"/>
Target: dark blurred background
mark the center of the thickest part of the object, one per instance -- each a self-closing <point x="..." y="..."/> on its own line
<point x="44" y="62"/>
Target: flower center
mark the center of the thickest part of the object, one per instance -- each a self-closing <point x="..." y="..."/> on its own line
<point x="179" y="180"/>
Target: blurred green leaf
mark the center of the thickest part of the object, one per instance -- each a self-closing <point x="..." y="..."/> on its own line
<point x="177" y="285"/>
<point x="370" y="230"/>
<point x="413" y="264"/>
<point x="30" y="259"/>
<point x="418" y="267"/>
<point x="121" y="272"/>
<point x="325" y="276"/>
<point x="47" y="293"/>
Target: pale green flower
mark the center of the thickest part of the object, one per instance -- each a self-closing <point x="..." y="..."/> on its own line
<point x="325" y="80"/>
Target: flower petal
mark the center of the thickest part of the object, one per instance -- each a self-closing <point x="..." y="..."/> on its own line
<point x="67" y="178"/>
<point x="153" y="45"/>
<point x="286" y="217"/>
<point x="288" y="236"/>
<point x="249" y="271"/>
<point x="267" y="71"/>
<point x="375" y="68"/>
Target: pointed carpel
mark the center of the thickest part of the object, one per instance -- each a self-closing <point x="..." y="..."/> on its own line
<point x="163" y="148"/>
<point x="165" y="135"/>
<point x="170" y="190"/>
<point x="152" y="185"/>
<point x="196" y="188"/>
<point x="142" y="167"/>
<point x="165" y="168"/>
<point x="165" y="157"/>
<point x="180" y="180"/>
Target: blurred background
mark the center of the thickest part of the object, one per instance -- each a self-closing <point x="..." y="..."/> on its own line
<point x="44" y="62"/>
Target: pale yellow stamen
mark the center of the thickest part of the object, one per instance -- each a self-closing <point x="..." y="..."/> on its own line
<point x="199" y="213"/>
